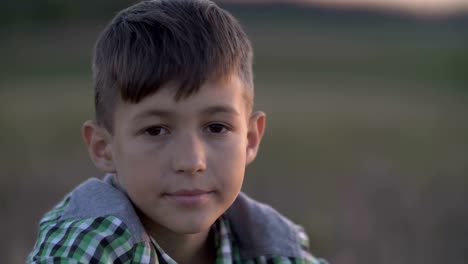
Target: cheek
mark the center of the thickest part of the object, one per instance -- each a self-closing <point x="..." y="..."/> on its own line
<point x="134" y="153"/>
<point x="228" y="159"/>
<point x="232" y="147"/>
<point x="137" y="165"/>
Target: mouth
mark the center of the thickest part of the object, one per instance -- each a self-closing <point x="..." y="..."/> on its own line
<point x="189" y="197"/>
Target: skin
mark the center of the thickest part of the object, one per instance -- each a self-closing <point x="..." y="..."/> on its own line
<point x="182" y="163"/>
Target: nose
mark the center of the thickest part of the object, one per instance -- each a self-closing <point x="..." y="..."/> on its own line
<point x="189" y="155"/>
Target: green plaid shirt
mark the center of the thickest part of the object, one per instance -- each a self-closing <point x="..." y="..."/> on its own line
<point x="107" y="239"/>
<point x="227" y="252"/>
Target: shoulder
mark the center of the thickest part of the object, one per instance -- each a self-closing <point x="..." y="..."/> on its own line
<point x="71" y="236"/>
<point x="83" y="240"/>
<point x="261" y="231"/>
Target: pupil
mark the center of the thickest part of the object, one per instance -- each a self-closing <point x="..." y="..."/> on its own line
<point x="154" y="131"/>
<point x="216" y="128"/>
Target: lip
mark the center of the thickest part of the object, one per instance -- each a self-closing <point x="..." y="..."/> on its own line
<point x="189" y="197"/>
<point x="188" y="192"/>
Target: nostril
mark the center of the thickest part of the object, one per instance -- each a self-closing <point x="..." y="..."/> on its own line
<point x="192" y="169"/>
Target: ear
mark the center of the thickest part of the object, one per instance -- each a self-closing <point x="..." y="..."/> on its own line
<point x="255" y="134"/>
<point x="98" y="141"/>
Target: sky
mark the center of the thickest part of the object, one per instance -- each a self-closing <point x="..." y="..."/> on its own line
<point x="413" y="6"/>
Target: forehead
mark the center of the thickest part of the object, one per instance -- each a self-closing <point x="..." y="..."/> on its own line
<point x="221" y="96"/>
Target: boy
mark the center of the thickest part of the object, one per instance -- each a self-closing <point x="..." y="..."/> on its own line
<point x="174" y="132"/>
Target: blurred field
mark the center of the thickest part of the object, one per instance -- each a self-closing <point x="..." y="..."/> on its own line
<point x="366" y="142"/>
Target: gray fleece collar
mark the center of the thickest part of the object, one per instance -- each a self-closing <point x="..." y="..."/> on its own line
<point x="96" y="198"/>
<point x="258" y="229"/>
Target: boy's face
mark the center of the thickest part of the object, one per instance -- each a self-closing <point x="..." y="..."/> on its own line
<point x="182" y="163"/>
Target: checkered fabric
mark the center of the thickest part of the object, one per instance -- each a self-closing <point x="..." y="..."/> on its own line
<point x="108" y="240"/>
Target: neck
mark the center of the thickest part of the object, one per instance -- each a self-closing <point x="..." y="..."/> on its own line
<point x="183" y="248"/>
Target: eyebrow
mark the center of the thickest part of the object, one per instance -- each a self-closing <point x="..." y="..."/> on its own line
<point x="220" y="109"/>
<point x="153" y="112"/>
<point x="211" y="110"/>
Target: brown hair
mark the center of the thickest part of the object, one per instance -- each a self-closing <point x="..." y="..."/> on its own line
<point x="155" y="42"/>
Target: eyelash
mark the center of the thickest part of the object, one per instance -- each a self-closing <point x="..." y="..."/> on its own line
<point x="224" y="129"/>
<point x="147" y="131"/>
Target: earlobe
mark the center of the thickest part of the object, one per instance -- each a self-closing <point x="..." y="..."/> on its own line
<point x="255" y="134"/>
<point x="98" y="141"/>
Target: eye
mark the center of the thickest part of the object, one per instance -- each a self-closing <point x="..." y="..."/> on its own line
<point x="156" y="131"/>
<point x="217" y="128"/>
